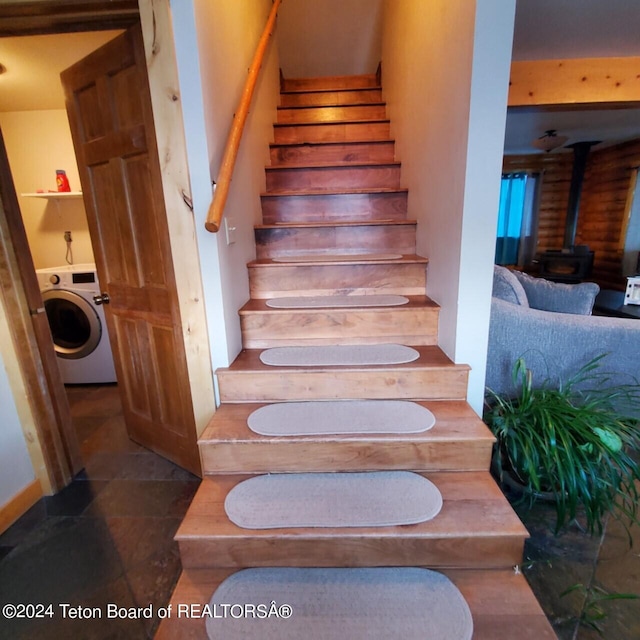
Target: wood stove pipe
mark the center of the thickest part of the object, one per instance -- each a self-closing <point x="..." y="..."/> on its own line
<point x="580" y="154"/>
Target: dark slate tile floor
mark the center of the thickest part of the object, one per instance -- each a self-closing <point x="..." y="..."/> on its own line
<point x="106" y="538"/>
<point x="553" y="564"/>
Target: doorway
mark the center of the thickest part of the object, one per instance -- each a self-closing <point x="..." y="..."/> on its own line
<point x="38" y="142"/>
<point x="203" y="397"/>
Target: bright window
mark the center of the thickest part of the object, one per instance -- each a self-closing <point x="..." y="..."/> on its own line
<point x="517" y="219"/>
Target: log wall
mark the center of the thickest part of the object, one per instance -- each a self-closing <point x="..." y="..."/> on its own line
<point x="602" y="206"/>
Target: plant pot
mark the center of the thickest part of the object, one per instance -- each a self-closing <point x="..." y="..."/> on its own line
<point x="505" y="475"/>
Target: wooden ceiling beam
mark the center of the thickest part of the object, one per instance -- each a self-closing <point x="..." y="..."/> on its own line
<point x="579" y="82"/>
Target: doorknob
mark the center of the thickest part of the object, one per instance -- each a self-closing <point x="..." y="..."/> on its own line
<point x="103" y="298"/>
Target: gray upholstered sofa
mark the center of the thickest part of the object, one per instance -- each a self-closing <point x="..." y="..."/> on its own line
<point x="550" y="325"/>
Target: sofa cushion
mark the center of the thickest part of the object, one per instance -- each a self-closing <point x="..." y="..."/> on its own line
<point x="555" y="296"/>
<point x="507" y="287"/>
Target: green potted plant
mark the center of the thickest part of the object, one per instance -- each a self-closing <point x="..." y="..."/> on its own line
<point x="575" y="444"/>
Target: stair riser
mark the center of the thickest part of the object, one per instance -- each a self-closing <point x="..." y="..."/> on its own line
<point x="326" y="98"/>
<point x="350" y="550"/>
<point x="330" y="83"/>
<point x="400" y="279"/>
<point x="334" y="207"/>
<point x="334" y="178"/>
<point x="417" y="326"/>
<point x="353" y="131"/>
<point x="372" y="383"/>
<point x="334" y="455"/>
<point x="339" y="152"/>
<point x="292" y="241"/>
<point x="349" y="113"/>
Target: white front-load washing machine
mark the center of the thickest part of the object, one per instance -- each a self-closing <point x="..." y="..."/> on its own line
<point x="77" y="323"/>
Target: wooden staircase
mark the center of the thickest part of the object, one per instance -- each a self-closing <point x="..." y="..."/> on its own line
<point x="333" y="199"/>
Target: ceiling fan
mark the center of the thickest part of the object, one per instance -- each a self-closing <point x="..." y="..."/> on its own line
<point x="549" y="141"/>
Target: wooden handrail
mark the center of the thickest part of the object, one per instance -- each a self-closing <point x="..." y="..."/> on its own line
<point x="221" y="192"/>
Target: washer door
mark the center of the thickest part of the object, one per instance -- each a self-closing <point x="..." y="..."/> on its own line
<point x="75" y="326"/>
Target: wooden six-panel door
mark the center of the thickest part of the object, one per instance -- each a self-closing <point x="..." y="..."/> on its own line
<point x="109" y="109"/>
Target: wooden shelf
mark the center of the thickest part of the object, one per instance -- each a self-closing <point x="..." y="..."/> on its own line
<point x="54" y="195"/>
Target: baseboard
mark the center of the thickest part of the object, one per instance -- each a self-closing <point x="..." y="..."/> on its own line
<point x="19" y="504"/>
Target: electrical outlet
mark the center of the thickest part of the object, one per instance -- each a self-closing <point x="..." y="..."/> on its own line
<point x="67" y="236"/>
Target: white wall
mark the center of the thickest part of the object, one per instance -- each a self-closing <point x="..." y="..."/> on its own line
<point x="444" y="107"/>
<point x="487" y="120"/>
<point x="16" y="470"/>
<point x="212" y="71"/>
<point x="38" y="143"/>
<point x="329" y="38"/>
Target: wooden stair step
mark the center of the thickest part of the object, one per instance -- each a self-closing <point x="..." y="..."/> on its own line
<point x="476" y="528"/>
<point x="405" y="276"/>
<point x="334" y="224"/>
<point x="356" y="151"/>
<point x="370" y="130"/>
<point x="300" y="167"/>
<point x="335" y="98"/>
<point x="355" y="204"/>
<point x="414" y="323"/>
<point x="344" y="113"/>
<point x="433" y="376"/>
<point x="459" y="441"/>
<point x="331" y="83"/>
<point x="502" y="604"/>
<point x="348" y="191"/>
<point x="294" y="239"/>
<point x="333" y="176"/>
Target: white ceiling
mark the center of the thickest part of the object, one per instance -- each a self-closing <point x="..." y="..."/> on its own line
<point x="331" y="37"/>
<point x="610" y="126"/>
<point x="576" y="29"/>
<point x="543" y="29"/>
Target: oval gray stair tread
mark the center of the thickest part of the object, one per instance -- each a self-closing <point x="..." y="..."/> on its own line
<point x="342" y="257"/>
<point x="346" y="355"/>
<point x="369" y="499"/>
<point x="342" y="417"/>
<point x="355" y="603"/>
<point x="322" y="302"/>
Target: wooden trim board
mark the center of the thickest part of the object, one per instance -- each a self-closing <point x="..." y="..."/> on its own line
<point x="166" y="103"/>
<point x="580" y="82"/>
<point x="19" y="504"/>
